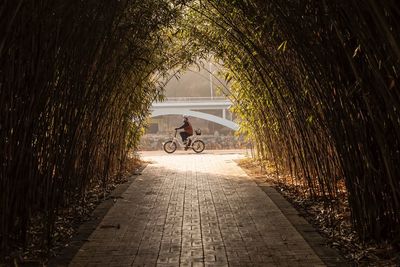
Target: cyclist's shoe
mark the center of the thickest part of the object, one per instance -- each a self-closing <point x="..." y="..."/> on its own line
<point x="186" y="148"/>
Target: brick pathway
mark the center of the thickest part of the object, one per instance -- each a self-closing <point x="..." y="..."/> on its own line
<point x="195" y="210"/>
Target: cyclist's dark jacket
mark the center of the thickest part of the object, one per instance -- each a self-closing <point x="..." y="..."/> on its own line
<point x="187" y="127"/>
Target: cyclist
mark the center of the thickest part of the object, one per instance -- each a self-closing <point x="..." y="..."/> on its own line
<point x="187" y="131"/>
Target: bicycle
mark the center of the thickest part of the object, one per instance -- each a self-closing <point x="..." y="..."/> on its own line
<point x="197" y="145"/>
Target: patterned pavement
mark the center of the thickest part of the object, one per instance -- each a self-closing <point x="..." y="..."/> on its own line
<point x="195" y="210"/>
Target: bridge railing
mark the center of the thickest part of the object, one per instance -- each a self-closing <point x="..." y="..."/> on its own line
<point x="195" y="99"/>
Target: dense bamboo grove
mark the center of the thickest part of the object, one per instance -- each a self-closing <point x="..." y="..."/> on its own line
<point x="316" y="86"/>
<point x="76" y="81"/>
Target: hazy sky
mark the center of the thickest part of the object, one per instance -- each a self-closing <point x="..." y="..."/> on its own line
<point x="193" y="83"/>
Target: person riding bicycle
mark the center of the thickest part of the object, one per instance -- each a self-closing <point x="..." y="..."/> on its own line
<point x="187" y="131"/>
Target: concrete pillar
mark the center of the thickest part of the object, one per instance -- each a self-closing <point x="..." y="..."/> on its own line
<point x="224" y="113"/>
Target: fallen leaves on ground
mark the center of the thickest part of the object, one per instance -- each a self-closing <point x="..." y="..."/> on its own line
<point x="331" y="217"/>
<point x="39" y="249"/>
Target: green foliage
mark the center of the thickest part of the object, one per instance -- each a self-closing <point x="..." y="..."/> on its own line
<point x="76" y="84"/>
<point x="315" y="85"/>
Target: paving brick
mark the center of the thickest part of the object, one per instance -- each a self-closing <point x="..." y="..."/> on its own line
<point x="196" y="210"/>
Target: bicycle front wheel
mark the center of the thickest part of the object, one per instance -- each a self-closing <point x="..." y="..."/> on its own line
<point x="169" y="147"/>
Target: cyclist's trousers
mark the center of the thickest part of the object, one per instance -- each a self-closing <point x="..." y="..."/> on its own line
<point x="184" y="136"/>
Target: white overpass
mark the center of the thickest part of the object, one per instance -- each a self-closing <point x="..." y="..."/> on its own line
<point x="191" y="105"/>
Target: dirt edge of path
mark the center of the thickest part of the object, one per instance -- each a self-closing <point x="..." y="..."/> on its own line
<point x="320" y="245"/>
<point x="65" y="256"/>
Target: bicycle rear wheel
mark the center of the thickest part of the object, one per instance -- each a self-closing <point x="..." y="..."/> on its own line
<point x="198" y="146"/>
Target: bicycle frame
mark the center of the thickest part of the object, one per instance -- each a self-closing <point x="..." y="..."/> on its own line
<point x="179" y="143"/>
